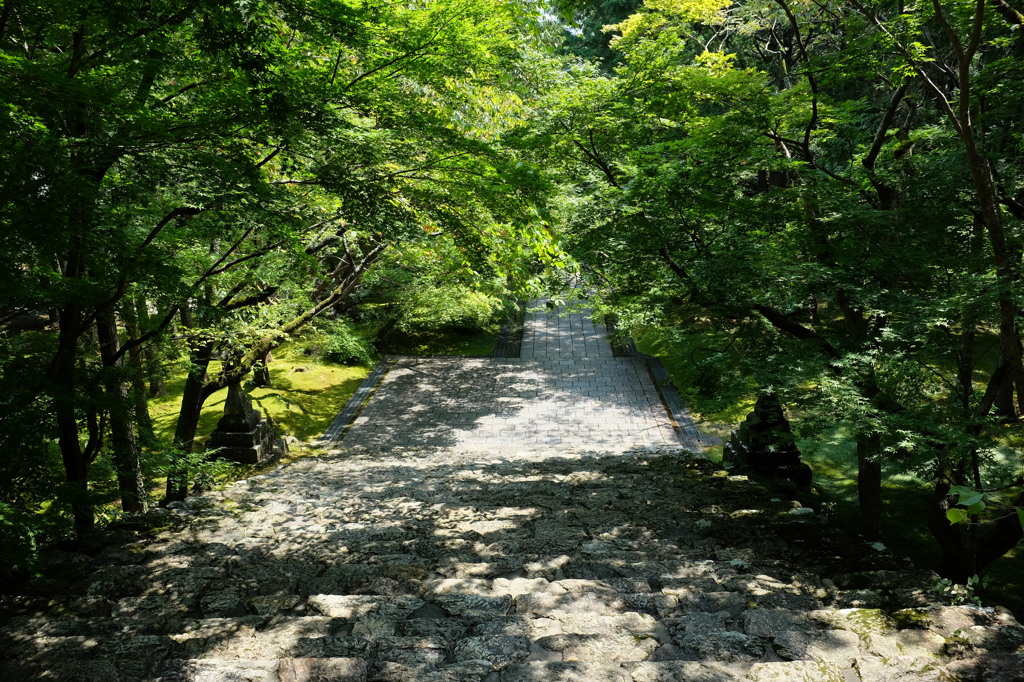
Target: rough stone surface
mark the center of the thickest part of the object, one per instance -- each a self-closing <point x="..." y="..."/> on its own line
<point x="443" y="564"/>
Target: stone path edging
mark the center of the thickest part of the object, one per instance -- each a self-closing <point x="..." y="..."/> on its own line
<point x="510" y="336"/>
<point x="355" y="403"/>
<point x="693" y="438"/>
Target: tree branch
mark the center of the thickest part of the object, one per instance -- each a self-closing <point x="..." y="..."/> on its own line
<point x="777" y="319"/>
<point x="186" y="212"/>
<point x="248" y="301"/>
<point x="883" y="127"/>
<point x="5" y="15"/>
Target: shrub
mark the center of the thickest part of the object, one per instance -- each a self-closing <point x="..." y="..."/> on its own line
<point x="338" y="341"/>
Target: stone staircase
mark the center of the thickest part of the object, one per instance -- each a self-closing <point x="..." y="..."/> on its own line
<point x="499" y="566"/>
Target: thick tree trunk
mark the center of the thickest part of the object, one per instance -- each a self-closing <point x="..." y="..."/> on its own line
<point x="76" y="462"/>
<point x="957" y="562"/>
<point x="967" y="550"/>
<point x="1000" y="537"/>
<point x="122" y="429"/>
<point x="869" y="484"/>
<point x="192" y="399"/>
<point x="1004" y="405"/>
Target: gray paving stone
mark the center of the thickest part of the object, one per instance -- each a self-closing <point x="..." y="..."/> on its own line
<point x="565" y="392"/>
<point x="438" y="565"/>
<point x="510" y="562"/>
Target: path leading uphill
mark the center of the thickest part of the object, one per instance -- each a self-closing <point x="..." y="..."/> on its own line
<point x="544" y="562"/>
<point x="566" y="391"/>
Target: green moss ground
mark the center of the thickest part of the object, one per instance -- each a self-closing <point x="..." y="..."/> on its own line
<point x="305" y="397"/>
<point x="308" y="392"/>
<point x="444" y="342"/>
<point x="718" y="410"/>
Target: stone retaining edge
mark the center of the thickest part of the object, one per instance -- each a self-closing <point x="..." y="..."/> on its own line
<point x="691" y="435"/>
<point x="340" y="425"/>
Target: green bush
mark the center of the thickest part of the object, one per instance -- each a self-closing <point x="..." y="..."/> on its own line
<point x="457" y="307"/>
<point x="338" y="341"/>
<point x="22" y="535"/>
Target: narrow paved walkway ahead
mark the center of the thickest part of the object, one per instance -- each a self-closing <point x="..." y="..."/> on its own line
<point x="566" y="391"/>
<point x="537" y="564"/>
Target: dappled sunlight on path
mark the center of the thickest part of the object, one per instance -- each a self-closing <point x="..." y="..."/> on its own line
<point x="513" y="520"/>
<point x="567" y="391"/>
<point x="434" y="564"/>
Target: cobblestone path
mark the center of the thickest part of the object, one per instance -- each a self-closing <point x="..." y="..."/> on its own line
<point x="545" y="563"/>
<point x="461" y="566"/>
<point x="565" y="391"/>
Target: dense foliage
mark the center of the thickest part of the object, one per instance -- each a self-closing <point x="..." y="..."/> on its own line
<point x="207" y="178"/>
<point x="837" y="187"/>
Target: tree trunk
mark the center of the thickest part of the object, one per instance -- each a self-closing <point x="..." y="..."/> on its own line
<point x="1005" y="257"/>
<point x="140" y="397"/>
<point x="965" y="367"/>
<point x="869" y="484"/>
<point x="957" y="562"/>
<point x="999" y="537"/>
<point x="148" y="351"/>
<point x="192" y="399"/>
<point x="157" y="388"/>
<point x="122" y="429"/>
<point x="76" y="462"/>
<point x="967" y="550"/>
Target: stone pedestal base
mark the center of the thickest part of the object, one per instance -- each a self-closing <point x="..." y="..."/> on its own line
<point x="256" y="446"/>
<point x="242" y="434"/>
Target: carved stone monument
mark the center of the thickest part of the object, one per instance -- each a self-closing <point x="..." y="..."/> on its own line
<point x="242" y="434"/>
<point x="764" y="444"/>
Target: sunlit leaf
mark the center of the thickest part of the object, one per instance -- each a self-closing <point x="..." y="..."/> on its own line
<point x="956" y="515"/>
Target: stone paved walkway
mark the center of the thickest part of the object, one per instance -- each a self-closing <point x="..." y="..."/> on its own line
<point x="566" y="391"/>
<point x="441" y="565"/>
<point x="540" y="564"/>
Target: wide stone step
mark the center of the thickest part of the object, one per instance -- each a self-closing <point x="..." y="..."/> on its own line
<point x="508" y="660"/>
<point x="73" y="670"/>
<point x="591" y="622"/>
<point x="627" y="671"/>
<point x="108" y="638"/>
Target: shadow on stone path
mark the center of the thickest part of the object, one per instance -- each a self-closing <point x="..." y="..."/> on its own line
<point x="533" y="566"/>
<point x="566" y="391"/>
<point x="556" y="531"/>
<point x="477" y="403"/>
